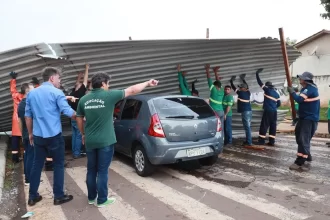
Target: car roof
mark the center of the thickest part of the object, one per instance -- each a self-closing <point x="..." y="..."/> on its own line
<point x="147" y="97"/>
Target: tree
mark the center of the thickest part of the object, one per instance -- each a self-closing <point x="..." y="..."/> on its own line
<point x="290" y="42"/>
<point x="326" y="5"/>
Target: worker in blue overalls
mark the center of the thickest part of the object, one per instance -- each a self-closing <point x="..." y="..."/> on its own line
<point x="269" y="116"/>
<point x="309" y="114"/>
<point x="244" y="107"/>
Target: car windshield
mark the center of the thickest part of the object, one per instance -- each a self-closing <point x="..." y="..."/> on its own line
<point x="185" y="108"/>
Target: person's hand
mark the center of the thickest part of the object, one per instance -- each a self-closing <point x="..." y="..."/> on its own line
<point x="31" y="139"/>
<point x="242" y="76"/>
<point x="13" y="75"/>
<point x="87" y="66"/>
<point x="290" y="90"/>
<point x="215" y="69"/>
<point x="207" y="67"/>
<point x="153" y="82"/>
<point x="71" y="98"/>
<point x="83" y="139"/>
<point x="259" y="70"/>
<point x="232" y="78"/>
<point x="178" y="67"/>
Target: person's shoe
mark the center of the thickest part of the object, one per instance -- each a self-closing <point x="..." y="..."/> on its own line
<point x="296" y="167"/>
<point x="245" y="143"/>
<point x="63" y="199"/>
<point x="254" y="147"/>
<point x="307" y="166"/>
<point x="32" y="202"/>
<point x="91" y="202"/>
<point x="110" y="201"/>
<point x="270" y="144"/>
<point x="259" y="143"/>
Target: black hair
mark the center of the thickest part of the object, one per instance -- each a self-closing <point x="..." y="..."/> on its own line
<point x="217" y="83"/>
<point x="47" y="72"/>
<point x="227" y="86"/>
<point x="100" y="78"/>
<point x="24" y="87"/>
<point x="195" y="92"/>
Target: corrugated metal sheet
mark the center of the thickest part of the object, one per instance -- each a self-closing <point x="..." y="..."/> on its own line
<point x="130" y="62"/>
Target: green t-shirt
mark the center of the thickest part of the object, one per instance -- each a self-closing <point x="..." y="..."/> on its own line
<point x="216" y="96"/>
<point x="97" y="107"/>
<point x="228" y="100"/>
<point x="329" y="110"/>
<point x="183" y="84"/>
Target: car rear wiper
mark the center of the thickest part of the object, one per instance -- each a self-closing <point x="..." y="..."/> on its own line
<point x="182" y="116"/>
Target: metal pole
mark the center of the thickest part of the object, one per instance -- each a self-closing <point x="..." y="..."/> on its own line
<point x="287" y="70"/>
<point x="207" y="33"/>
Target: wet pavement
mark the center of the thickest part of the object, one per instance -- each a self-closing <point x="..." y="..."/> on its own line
<point x="244" y="184"/>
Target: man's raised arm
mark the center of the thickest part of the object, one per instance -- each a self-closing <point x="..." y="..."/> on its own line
<point x="137" y="88"/>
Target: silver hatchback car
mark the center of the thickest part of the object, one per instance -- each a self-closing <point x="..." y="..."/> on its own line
<point x="165" y="129"/>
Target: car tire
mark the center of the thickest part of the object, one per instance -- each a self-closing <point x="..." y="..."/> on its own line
<point x="141" y="162"/>
<point x="208" y="161"/>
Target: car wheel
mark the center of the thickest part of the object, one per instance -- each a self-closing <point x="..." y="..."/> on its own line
<point x="142" y="164"/>
<point x="208" y="161"/>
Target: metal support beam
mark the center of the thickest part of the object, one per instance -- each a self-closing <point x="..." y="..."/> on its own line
<point x="287" y="70"/>
<point x="207" y="33"/>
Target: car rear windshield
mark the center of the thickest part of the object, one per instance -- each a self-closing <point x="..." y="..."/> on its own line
<point x="183" y="108"/>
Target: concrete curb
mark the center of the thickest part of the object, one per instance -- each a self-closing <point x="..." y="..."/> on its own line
<point x="3" y="151"/>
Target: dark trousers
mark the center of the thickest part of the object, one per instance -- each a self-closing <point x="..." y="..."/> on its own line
<point x="28" y="159"/>
<point x="15" y="148"/>
<point x="55" y="146"/>
<point x="328" y="126"/>
<point x="98" y="162"/>
<point x="228" y="131"/>
<point x="305" y="129"/>
<point x="269" y="120"/>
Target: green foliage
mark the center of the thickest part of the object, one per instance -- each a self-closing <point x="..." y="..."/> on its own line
<point x="290" y="42"/>
<point x="326" y="5"/>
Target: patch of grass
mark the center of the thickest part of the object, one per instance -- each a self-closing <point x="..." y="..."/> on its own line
<point x="323" y="114"/>
<point x="10" y="166"/>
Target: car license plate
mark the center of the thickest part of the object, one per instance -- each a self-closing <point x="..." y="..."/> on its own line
<point x="195" y="152"/>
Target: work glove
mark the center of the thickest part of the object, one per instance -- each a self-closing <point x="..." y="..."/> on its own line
<point x="13" y="75"/>
<point x="259" y="70"/>
<point x="242" y="76"/>
<point x="35" y="81"/>
<point x="232" y="78"/>
<point x="290" y="90"/>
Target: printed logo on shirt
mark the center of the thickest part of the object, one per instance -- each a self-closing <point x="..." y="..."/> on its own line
<point x="305" y="91"/>
<point x="94" y="104"/>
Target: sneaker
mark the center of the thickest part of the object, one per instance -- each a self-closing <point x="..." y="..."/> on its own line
<point x="296" y="167"/>
<point x="270" y="144"/>
<point x="110" y="201"/>
<point x="91" y="202"/>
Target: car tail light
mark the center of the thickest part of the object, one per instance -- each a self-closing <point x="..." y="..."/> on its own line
<point x="155" y="128"/>
<point x="218" y="122"/>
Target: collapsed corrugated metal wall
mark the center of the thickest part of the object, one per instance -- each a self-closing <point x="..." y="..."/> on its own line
<point x="130" y="62"/>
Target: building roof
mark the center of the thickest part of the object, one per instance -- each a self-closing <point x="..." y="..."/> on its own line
<point x="311" y="38"/>
<point x="131" y="62"/>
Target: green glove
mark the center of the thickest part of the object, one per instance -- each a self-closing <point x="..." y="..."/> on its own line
<point x="259" y="70"/>
<point x="290" y="90"/>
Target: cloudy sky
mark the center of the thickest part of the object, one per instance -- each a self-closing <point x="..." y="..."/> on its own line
<point x="25" y="22"/>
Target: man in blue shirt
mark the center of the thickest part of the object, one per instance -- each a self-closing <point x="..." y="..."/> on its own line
<point x="269" y="117"/>
<point x="44" y="106"/>
<point x="309" y="114"/>
<point x="244" y="107"/>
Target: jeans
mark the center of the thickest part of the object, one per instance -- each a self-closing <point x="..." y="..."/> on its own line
<point x="28" y="159"/>
<point x="305" y="130"/>
<point x="246" y="119"/>
<point x="55" y="146"/>
<point x="221" y="115"/>
<point x="228" y="130"/>
<point x="98" y="162"/>
<point x="76" y="139"/>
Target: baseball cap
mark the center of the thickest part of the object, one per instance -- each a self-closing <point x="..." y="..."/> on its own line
<point x="269" y="84"/>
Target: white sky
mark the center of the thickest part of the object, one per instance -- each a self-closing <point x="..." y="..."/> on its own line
<point x="25" y="22"/>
